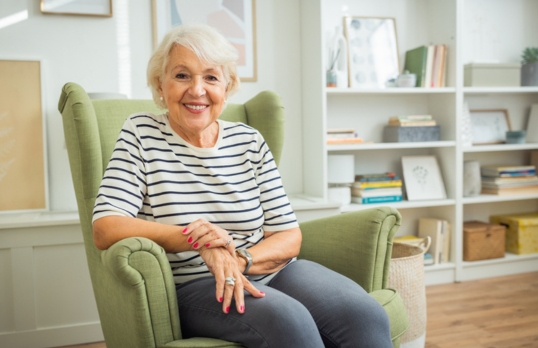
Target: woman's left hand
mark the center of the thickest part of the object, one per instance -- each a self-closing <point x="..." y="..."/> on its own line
<point x="231" y="284"/>
<point x="205" y="234"/>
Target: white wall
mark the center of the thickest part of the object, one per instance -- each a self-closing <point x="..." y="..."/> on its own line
<point x="110" y="55"/>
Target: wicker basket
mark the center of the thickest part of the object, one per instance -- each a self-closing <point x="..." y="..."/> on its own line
<point x="406" y="275"/>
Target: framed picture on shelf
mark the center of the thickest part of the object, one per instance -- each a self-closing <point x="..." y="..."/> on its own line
<point x="372" y="51"/>
<point x="236" y="20"/>
<point x="532" y="125"/>
<point x="489" y="126"/>
<point x="100" y="8"/>
<point x="23" y="174"/>
<point x="422" y="178"/>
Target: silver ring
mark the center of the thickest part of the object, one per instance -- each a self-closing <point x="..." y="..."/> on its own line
<point x="228" y="243"/>
<point x="229" y="280"/>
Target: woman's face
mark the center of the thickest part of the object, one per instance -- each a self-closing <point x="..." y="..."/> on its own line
<point x="194" y="92"/>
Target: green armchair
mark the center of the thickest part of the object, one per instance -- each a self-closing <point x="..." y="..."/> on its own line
<point x="132" y="281"/>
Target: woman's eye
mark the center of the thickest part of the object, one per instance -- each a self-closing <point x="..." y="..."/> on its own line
<point x="181" y="76"/>
<point x="212" y="78"/>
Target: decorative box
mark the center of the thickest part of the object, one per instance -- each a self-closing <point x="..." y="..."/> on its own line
<point x="521" y="232"/>
<point x="492" y="75"/>
<point x="399" y="134"/>
<point x="482" y="241"/>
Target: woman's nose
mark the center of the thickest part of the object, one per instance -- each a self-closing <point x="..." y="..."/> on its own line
<point x="197" y="88"/>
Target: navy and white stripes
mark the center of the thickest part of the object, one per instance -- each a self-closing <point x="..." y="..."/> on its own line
<point x="157" y="176"/>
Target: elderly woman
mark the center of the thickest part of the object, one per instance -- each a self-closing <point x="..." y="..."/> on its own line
<point x="208" y="192"/>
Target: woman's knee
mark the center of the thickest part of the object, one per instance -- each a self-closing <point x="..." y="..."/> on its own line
<point x="285" y="322"/>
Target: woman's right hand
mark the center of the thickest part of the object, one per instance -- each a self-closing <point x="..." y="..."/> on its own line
<point x="224" y="265"/>
<point x="205" y="234"/>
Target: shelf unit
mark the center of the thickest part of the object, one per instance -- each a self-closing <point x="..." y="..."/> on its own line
<point x="473" y="30"/>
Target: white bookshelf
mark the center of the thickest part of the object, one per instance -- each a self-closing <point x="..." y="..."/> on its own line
<point x="473" y="30"/>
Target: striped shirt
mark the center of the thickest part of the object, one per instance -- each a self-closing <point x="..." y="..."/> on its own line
<point x="155" y="175"/>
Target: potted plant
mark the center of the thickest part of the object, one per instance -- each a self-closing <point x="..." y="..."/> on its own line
<point x="529" y="68"/>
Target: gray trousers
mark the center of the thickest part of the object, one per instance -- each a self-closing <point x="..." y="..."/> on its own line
<point x="306" y="305"/>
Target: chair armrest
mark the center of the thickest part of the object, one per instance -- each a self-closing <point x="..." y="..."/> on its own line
<point x="356" y="244"/>
<point x="142" y="293"/>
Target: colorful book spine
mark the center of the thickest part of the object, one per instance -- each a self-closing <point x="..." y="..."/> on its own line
<point x="376" y="177"/>
<point x="370" y="200"/>
<point x="377" y="184"/>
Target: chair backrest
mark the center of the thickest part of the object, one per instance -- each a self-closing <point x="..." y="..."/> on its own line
<point x="91" y="129"/>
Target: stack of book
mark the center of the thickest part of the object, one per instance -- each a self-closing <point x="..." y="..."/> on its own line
<point x="412" y="121"/>
<point x="509" y="180"/>
<point x="343" y="136"/>
<point x="376" y="188"/>
<point x="429" y="64"/>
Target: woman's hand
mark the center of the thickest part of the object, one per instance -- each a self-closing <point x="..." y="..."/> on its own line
<point x="205" y="234"/>
<point x="224" y="265"/>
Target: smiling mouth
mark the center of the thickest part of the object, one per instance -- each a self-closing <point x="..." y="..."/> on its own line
<point x="195" y="107"/>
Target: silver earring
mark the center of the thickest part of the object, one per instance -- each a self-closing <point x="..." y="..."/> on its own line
<point x="161" y="98"/>
<point x="225" y="101"/>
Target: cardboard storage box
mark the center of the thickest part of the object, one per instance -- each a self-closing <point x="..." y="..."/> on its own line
<point x="482" y="241"/>
<point x="492" y="75"/>
<point x="521" y="232"/>
<point x="396" y="134"/>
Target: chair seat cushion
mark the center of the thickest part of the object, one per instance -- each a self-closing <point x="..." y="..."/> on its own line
<point x="393" y="304"/>
<point x="200" y="342"/>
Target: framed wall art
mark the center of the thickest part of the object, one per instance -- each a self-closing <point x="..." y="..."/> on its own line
<point x="422" y="178"/>
<point x="235" y="19"/>
<point x="372" y="51"/>
<point x="23" y="179"/>
<point x="100" y="8"/>
<point x="489" y="126"/>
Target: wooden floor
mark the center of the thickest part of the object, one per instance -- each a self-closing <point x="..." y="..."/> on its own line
<point x="488" y="313"/>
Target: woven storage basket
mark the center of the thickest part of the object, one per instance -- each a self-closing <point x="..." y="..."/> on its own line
<point x="406" y="275"/>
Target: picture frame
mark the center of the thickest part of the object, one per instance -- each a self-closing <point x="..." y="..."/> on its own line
<point x="489" y="126"/>
<point x="373" y="57"/>
<point x="422" y="178"/>
<point x="532" y="125"/>
<point x="23" y="155"/>
<point x="236" y="20"/>
<point x="97" y="8"/>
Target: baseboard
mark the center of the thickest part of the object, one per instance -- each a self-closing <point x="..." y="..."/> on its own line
<point x="53" y="337"/>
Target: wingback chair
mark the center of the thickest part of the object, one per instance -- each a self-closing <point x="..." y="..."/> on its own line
<point x="132" y="280"/>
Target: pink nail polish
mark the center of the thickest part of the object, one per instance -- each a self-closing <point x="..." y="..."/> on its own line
<point x="184" y="230"/>
<point x="207" y="245"/>
<point x="242" y="309"/>
<point x="261" y="292"/>
<point x="227" y="309"/>
<point x="189" y="240"/>
<point x="195" y="245"/>
<point x="220" y="299"/>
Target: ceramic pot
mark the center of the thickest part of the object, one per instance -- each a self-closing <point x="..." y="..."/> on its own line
<point x="529" y="74"/>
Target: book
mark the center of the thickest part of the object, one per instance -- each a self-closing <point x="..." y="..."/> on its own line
<point x="526" y="190"/>
<point x="333" y="141"/>
<point x="341" y="133"/>
<point x="428" y="259"/>
<point x="506" y="171"/>
<point x="411" y="118"/>
<point x="412" y="240"/>
<point x="413" y="123"/>
<point x="438" y="231"/>
<point x="378" y="192"/>
<point x="438" y="65"/>
<point x="369" y="200"/>
<point x="429" y="66"/>
<point x="415" y="63"/>
<point x="377" y="184"/>
<point x="510" y="182"/>
<point x="442" y="72"/>
<point x="376" y="177"/>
